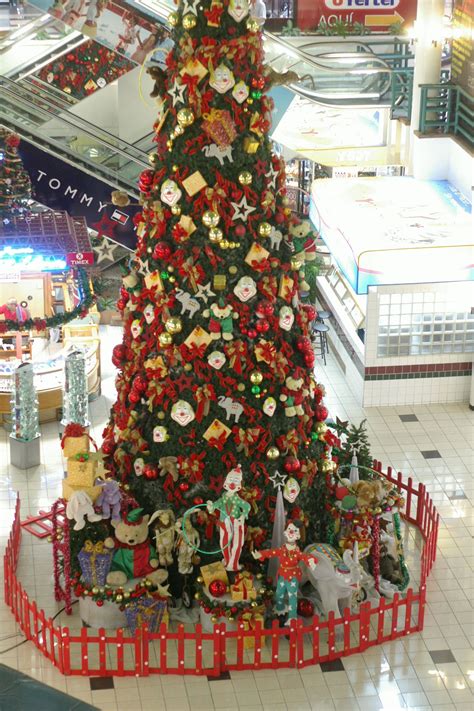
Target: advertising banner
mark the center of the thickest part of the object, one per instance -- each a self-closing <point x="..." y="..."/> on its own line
<point x="60" y="186"/>
<point x="375" y="14"/>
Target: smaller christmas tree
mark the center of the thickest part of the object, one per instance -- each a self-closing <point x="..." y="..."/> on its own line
<point x="15" y="184"/>
<point x="354" y="441"/>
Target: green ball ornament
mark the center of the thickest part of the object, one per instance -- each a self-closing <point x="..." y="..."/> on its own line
<point x="349" y="502"/>
<point x="165" y="275"/>
<point x="255" y="389"/>
<point x="314" y="436"/>
<point x="256" y="94"/>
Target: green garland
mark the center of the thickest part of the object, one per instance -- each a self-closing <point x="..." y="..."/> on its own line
<point x="105" y="593"/>
<point x="238" y="607"/>
<point x="40" y="324"/>
<point x="398" y="537"/>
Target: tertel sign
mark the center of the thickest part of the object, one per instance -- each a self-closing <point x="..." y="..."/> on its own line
<point x="371" y="13"/>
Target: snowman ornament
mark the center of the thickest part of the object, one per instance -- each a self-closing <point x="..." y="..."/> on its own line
<point x="138" y="466"/>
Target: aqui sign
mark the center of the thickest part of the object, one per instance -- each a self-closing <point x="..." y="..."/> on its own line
<point x="371" y="13"/>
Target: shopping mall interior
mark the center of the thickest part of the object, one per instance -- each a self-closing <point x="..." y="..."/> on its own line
<point x="236" y="345"/>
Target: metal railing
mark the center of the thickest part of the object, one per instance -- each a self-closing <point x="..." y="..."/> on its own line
<point x="447" y="109"/>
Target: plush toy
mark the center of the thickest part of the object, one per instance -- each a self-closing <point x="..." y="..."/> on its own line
<point x="134" y="556"/>
<point x="294" y="394"/>
<point x="370" y="494"/>
<point x="164" y="521"/>
<point x="109" y="500"/>
<point x="159" y="77"/>
<point x="303" y="241"/>
<point x="186" y="544"/>
<point x="79" y="506"/>
<point x="220" y="320"/>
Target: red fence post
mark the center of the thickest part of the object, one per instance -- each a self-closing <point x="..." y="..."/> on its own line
<point x="331" y="636"/>
<point x="217" y="650"/>
<point x="163" y="649"/>
<point x="364" y="626"/>
<point x="292" y="643"/>
<point x="316" y="639"/>
<point x="66" y="649"/>
<point x="395" y="606"/>
<point x="181" y="647"/>
<point x="198" y="639"/>
<point x="420" y="509"/>
<point x="300" y="643"/>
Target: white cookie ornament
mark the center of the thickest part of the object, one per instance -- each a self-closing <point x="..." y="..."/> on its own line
<point x="291" y="489"/>
<point x="286" y="318"/>
<point x="238" y="9"/>
<point x="269" y="406"/>
<point x="245" y="288"/>
<point x="136" y="329"/>
<point x="240" y="92"/>
<point x="222" y="79"/>
<point x="182" y="413"/>
<point x="138" y="466"/>
<point x="160" y="434"/>
<point x="170" y="193"/>
<point x="149" y="313"/>
<point x="216" y="359"/>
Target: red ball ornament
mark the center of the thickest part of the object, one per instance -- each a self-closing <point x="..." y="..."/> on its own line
<point x="240" y="230"/>
<point x="252" y="333"/>
<point x="150" y="472"/>
<point x="341" y="492"/>
<point x="262" y="326"/>
<point x="108" y="445"/>
<point x="321" y="413"/>
<point x="217" y="588"/>
<point x="134" y="397"/>
<point x="198" y="500"/>
<point x="118" y="354"/>
<point x="303" y="343"/>
<point x="184" y="486"/>
<point x="279" y="218"/>
<point x="310" y="311"/>
<point x="265" y="308"/>
<point x="99" y="603"/>
<point x="124" y="293"/>
<point x="140" y="383"/>
<point x="305" y="607"/>
<point x="162" y="250"/>
<point x="292" y="465"/>
<point x="121" y="304"/>
<point x="145" y="181"/>
<point x="309" y="359"/>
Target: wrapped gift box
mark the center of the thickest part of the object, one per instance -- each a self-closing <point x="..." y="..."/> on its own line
<point x="81" y="473"/>
<point x="217" y="433"/>
<point x="70" y="489"/>
<point x="243" y="587"/>
<point x="150" y="611"/>
<point x="95" y="561"/>
<point x="75" y="445"/>
<point x="214" y="571"/>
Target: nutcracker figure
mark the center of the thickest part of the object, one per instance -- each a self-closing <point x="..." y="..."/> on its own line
<point x="233" y="512"/>
<point x="289" y="572"/>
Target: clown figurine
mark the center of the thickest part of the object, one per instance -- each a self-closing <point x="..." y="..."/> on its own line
<point x="289" y="572"/>
<point x="233" y="512"/>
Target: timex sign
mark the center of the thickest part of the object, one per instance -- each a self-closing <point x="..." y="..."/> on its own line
<point x="80" y="259"/>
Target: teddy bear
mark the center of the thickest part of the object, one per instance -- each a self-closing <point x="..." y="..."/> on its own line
<point x="370" y="494"/>
<point x="293" y="394"/>
<point x="109" y="499"/>
<point x="220" y="320"/>
<point x="79" y="506"/>
<point x="303" y="241"/>
<point x="134" y="556"/>
<point x="159" y="77"/>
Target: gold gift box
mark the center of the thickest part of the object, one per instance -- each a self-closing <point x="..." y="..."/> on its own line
<point x="251" y="145"/>
<point x="194" y="183"/>
<point x="215" y="430"/>
<point x="198" y="337"/>
<point x="76" y="445"/>
<point x="257" y="254"/>
<point x="70" y="489"/>
<point x="214" y="571"/>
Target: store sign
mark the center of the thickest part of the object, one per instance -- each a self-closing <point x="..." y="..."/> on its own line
<point x="60" y="186"/>
<point x="80" y="259"/>
<point x="371" y="13"/>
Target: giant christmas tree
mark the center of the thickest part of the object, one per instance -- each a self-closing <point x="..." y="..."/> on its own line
<point x="216" y="366"/>
<point x="15" y="184"/>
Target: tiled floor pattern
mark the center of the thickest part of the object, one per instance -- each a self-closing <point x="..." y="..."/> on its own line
<point x="432" y="670"/>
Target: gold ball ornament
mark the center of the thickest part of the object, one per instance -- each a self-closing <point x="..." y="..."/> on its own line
<point x="153" y="158"/>
<point x="165" y="339"/>
<point x="185" y="117"/>
<point x="296" y="263"/>
<point x="95" y="590"/>
<point x="161" y="415"/>
<point x="189" y="21"/>
<point x="199" y="579"/>
<point x="126" y="595"/>
<point x="273" y="453"/>
<point x="245" y="177"/>
<point x="172" y="279"/>
<point x="169" y="144"/>
<point x="224" y="244"/>
<point x="119" y="598"/>
<point x="210" y="218"/>
<point x="174" y="324"/>
<point x="321" y="428"/>
<point x="179" y="130"/>
<point x="256" y="377"/>
<point x="175" y="210"/>
<point x="264" y="229"/>
<point x="188" y="367"/>
<point x="241" y="387"/>
<point x="215" y="234"/>
<point x="233" y="269"/>
<point x="173" y="19"/>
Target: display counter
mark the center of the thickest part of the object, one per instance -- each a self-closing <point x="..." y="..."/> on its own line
<point x="399" y="288"/>
<point x="49" y="372"/>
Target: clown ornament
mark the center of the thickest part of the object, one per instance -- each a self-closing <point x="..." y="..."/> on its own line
<point x="136" y="328"/>
<point x="170" y="193"/>
<point x="160" y="434"/>
<point x="149" y="313"/>
<point x="240" y="92"/>
<point x="216" y="359"/>
<point x="245" y="288"/>
<point x="138" y="466"/>
<point x="269" y="406"/>
<point x="182" y="413"/>
<point x="238" y="9"/>
<point x="222" y="79"/>
<point x="291" y="489"/>
<point x="286" y="318"/>
<point x="289" y="571"/>
<point x="233" y="511"/>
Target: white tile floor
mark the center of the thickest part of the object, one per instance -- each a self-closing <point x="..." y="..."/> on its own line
<point x="403" y="674"/>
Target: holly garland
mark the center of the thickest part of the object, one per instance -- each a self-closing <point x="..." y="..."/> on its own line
<point x="122" y="597"/>
<point x="41" y="324"/>
<point x="234" y="612"/>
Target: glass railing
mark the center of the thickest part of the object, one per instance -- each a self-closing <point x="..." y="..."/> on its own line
<point x="35" y="116"/>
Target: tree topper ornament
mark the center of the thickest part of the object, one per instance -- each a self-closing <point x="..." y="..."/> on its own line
<point x="233" y="511"/>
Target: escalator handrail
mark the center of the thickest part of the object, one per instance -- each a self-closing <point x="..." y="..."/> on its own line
<point x="15" y="91"/>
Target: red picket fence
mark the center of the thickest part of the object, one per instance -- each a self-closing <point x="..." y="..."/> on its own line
<point x="196" y="652"/>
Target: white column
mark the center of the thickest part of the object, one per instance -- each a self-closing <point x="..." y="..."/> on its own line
<point x="428" y="48"/>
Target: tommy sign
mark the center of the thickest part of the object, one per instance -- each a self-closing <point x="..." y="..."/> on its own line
<point x="371" y="13"/>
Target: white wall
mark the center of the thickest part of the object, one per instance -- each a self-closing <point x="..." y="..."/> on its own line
<point x="443" y="158"/>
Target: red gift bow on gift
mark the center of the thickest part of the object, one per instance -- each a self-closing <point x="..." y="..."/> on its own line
<point x="218" y="442"/>
<point x="288" y="442"/>
<point x="203" y="394"/>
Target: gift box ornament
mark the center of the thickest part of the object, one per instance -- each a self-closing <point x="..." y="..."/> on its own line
<point x="250" y="621"/>
<point x="243" y="588"/>
<point x="214" y="571"/>
<point x="150" y="611"/>
<point x="75" y="445"/>
<point x="70" y="489"/>
<point x="256" y="254"/>
<point x="154" y="281"/>
<point x="95" y="561"/>
<point x="285" y="290"/>
<point x="81" y="472"/>
<point x="194" y="68"/>
<point x="219" y="125"/>
<point x="251" y="145"/>
<point x="194" y="183"/>
<point x="217" y="433"/>
<point x="198" y="337"/>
